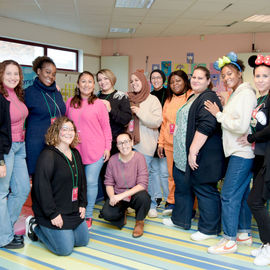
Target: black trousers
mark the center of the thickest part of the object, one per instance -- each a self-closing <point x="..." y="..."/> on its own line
<point x="257" y="205"/>
<point x="140" y="202"/>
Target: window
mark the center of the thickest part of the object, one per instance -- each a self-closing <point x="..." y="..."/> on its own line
<point x="25" y="52"/>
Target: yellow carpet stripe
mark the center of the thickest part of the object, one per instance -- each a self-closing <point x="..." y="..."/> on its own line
<point x="23" y="261"/>
<point x="178" y="255"/>
<point x="115" y="258"/>
<point x="69" y="262"/>
<point x="148" y="255"/>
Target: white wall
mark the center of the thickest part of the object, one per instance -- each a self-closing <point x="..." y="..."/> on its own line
<point x="91" y="47"/>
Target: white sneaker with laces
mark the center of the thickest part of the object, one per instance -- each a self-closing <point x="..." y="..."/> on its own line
<point x="224" y="246"/>
<point x="244" y="239"/>
<point x="263" y="259"/>
<point x="152" y="213"/>
<point x="199" y="236"/>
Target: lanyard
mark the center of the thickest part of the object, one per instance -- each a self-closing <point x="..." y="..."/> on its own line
<point x="80" y="114"/>
<point x="19" y="108"/>
<point x="72" y="172"/>
<point x="163" y="94"/>
<point x="52" y="116"/>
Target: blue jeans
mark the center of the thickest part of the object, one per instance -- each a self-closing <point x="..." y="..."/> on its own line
<point x="236" y="216"/>
<point x="159" y="174"/>
<point x="208" y="203"/>
<point x="92" y="174"/>
<point x="62" y="242"/>
<point x="149" y="161"/>
<point x="14" y="189"/>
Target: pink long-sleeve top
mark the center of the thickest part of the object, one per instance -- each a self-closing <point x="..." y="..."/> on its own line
<point x="18" y="113"/>
<point x="123" y="176"/>
<point x="93" y="126"/>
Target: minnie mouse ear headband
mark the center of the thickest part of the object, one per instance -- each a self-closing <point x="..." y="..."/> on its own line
<point x="230" y="58"/>
<point x="258" y="60"/>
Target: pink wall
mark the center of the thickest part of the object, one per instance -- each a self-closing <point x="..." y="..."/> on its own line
<point x="175" y="48"/>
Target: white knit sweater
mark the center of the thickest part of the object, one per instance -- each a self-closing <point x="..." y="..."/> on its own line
<point x="235" y="120"/>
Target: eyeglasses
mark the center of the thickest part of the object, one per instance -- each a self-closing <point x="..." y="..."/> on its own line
<point x="156" y="78"/>
<point x="121" y="144"/>
<point x="66" y="129"/>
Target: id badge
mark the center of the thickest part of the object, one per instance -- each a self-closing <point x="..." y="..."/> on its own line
<point x="52" y="120"/>
<point x="253" y="146"/>
<point x="172" y="127"/>
<point x="131" y="125"/>
<point x="75" y="194"/>
<point x="79" y="135"/>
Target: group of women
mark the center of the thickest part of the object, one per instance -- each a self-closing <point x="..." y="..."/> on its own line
<point x="173" y="143"/>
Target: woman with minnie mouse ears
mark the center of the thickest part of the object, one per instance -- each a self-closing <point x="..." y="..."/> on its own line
<point x="235" y="122"/>
<point x="260" y="191"/>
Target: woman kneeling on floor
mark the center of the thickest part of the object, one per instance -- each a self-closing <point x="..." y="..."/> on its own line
<point x="126" y="183"/>
<point x="59" y="192"/>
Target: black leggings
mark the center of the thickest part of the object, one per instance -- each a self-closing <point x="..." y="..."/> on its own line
<point x="257" y="205"/>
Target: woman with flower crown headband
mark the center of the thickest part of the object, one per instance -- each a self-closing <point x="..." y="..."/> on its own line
<point x="235" y="121"/>
<point x="260" y="191"/>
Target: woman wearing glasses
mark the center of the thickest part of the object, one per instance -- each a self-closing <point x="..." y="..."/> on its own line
<point x="126" y="182"/>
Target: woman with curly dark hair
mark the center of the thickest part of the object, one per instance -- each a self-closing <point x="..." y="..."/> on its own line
<point x="14" y="180"/>
<point x="45" y="104"/>
<point x="59" y="192"/>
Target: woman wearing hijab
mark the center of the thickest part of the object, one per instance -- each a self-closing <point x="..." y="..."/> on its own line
<point x="146" y="119"/>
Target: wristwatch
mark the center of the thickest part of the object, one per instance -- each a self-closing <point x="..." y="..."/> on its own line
<point x="2" y="162"/>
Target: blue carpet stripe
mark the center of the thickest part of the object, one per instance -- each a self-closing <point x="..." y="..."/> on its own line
<point x="32" y="259"/>
<point x="148" y="249"/>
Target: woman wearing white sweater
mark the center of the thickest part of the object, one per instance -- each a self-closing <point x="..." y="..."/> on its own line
<point x="235" y="121"/>
<point x="146" y="119"/>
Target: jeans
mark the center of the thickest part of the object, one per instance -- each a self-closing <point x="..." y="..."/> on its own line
<point x="151" y="190"/>
<point x="257" y="205"/>
<point x="208" y="203"/>
<point x="62" y="242"/>
<point x="14" y="189"/>
<point x="159" y="174"/>
<point x="236" y="216"/>
<point x="92" y="175"/>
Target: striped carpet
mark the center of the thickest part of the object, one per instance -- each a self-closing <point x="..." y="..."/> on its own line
<point x="110" y="248"/>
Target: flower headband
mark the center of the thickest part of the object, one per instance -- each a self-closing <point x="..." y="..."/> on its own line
<point x="255" y="60"/>
<point x="230" y="58"/>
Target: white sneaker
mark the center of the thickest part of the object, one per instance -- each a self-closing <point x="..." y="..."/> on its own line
<point x="152" y="213"/>
<point x="263" y="259"/>
<point x="244" y="239"/>
<point x="224" y="246"/>
<point x="199" y="236"/>
<point x="168" y="222"/>
<point x="256" y="252"/>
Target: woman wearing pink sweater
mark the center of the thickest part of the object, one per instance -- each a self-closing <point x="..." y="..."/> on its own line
<point x="92" y="121"/>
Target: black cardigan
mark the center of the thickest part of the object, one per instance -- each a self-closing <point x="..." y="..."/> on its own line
<point x="210" y="158"/>
<point x="52" y="189"/>
<point x="5" y="127"/>
<point x="264" y="136"/>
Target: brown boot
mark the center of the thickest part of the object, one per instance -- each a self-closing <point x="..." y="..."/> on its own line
<point x="138" y="229"/>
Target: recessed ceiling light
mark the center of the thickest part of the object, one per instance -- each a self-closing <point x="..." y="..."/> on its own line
<point x="134" y="3"/>
<point x="258" y="18"/>
<point x="122" y="30"/>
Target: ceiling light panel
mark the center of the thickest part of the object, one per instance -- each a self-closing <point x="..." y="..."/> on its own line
<point x="134" y="3"/>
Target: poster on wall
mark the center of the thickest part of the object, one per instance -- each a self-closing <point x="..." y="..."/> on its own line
<point x="190" y="58"/>
<point x="212" y="69"/>
<point x="155" y="66"/>
<point x="184" y="67"/>
<point x="28" y="76"/>
<point x="166" y="67"/>
<point x="193" y="66"/>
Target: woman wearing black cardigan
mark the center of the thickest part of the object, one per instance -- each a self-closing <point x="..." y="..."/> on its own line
<point x="199" y="161"/>
<point x="59" y="192"/>
<point x="260" y="136"/>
